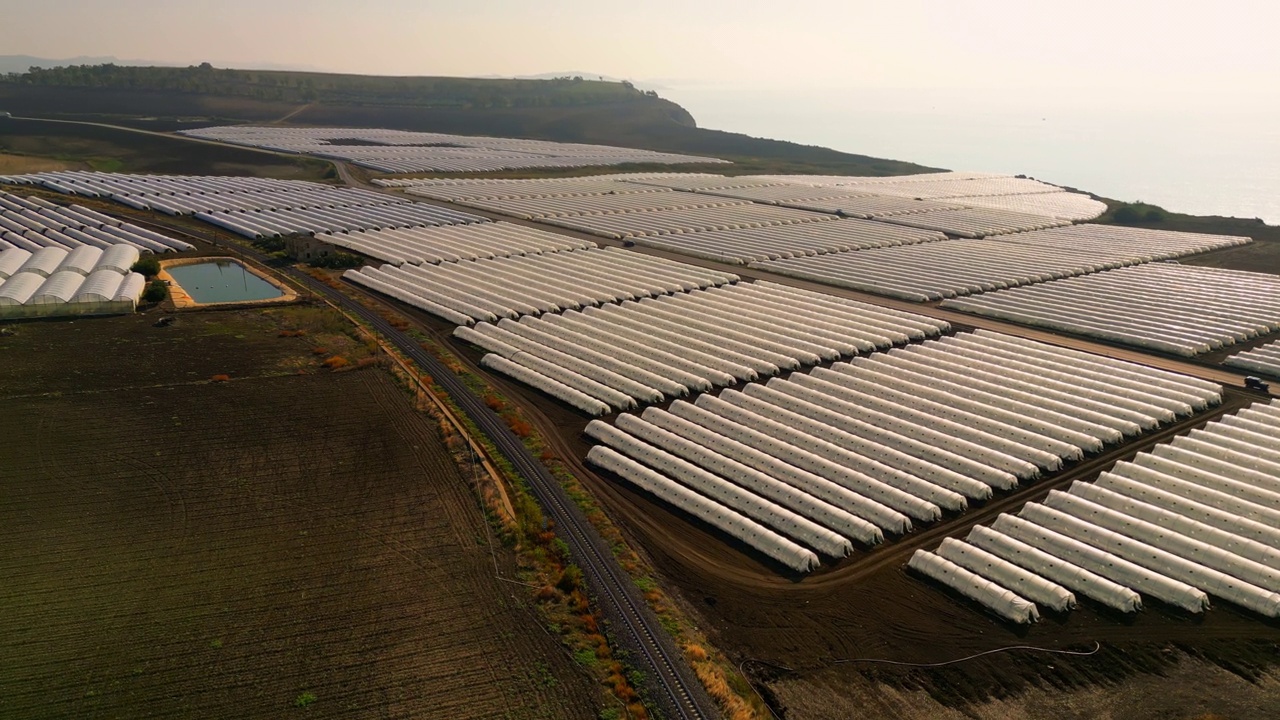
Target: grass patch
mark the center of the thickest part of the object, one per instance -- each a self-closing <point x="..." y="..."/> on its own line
<point x="305" y="699"/>
<point x="11" y="164"/>
<point x="107" y="164"/>
<point x="117" y="150"/>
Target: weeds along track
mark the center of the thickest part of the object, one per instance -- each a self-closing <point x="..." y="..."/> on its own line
<point x="668" y="678"/>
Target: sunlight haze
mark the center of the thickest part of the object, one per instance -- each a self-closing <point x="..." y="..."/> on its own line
<point x="835" y="45"/>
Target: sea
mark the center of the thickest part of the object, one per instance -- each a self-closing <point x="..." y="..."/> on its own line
<point x="1204" y="154"/>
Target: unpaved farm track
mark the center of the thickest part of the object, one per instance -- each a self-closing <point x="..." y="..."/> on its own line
<point x="217" y="550"/>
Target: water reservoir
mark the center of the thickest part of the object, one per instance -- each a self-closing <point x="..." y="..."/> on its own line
<point x="220" y="281"/>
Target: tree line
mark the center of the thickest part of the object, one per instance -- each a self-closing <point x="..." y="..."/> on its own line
<point x="344" y="89"/>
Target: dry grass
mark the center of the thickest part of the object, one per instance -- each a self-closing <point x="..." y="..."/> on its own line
<point x="713" y="679"/>
<point x="520" y="427"/>
<point x="18" y="164"/>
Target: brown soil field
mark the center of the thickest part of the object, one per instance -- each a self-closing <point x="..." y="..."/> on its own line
<point x="177" y="548"/>
<point x="116" y="149"/>
<point x="1257" y="256"/>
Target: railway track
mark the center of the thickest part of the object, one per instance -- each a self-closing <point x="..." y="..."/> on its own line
<point x="668" y="680"/>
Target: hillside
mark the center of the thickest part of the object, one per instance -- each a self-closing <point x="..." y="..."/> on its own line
<point x="568" y="110"/>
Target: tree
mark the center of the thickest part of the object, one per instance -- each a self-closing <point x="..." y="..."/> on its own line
<point x="1126" y="214"/>
<point x="147" y="266"/>
<point x="156" y="292"/>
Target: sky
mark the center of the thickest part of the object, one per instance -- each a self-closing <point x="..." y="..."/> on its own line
<point x="1175" y="102"/>
<point x="1117" y="46"/>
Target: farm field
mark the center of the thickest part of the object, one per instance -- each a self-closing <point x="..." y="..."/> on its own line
<point x="11" y="164"/>
<point x="789" y="634"/>
<point x="395" y="151"/>
<point x="868" y="606"/>
<point x="111" y="149"/>
<point x="181" y="548"/>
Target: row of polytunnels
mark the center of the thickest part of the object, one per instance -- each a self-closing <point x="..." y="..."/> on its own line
<point x="668" y="346"/>
<point x="397" y="151"/>
<point x="870" y="448"/>
<point x="1194" y="519"/>
<point x="934" y="271"/>
<point x="1177" y="309"/>
<point x="508" y="287"/>
<point x="34" y="223"/>
<point x="86" y="275"/>
<point x="452" y="243"/>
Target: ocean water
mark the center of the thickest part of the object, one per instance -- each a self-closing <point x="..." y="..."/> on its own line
<point x="1193" y="154"/>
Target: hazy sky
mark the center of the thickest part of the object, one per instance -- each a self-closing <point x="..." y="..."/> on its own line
<point x="850" y="44"/>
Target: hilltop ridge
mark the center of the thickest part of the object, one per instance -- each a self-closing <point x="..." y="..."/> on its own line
<point x="565" y="110"/>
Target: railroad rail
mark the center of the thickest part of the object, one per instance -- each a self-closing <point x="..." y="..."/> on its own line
<point x="668" y="681"/>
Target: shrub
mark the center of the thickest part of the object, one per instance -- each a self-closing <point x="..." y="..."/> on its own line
<point x="1136" y="213"/>
<point x="220" y="378"/>
<point x="336" y="362"/>
<point x="586" y="657"/>
<point x="156" y="292"/>
<point x="304" y="699"/>
<point x="147" y="266"/>
<point x="521" y="428"/>
<point x="270" y="245"/>
<point x="1126" y="213"/>
<point x="696" y="653"/>
<point x="337" y="261"/>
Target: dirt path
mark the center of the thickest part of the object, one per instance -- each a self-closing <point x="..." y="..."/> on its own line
<point x="287" y="116"/>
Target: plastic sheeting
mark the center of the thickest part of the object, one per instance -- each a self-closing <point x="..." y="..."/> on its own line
<point x="1000" y="600"/>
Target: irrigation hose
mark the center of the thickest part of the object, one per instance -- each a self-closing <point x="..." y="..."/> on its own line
<point x="1097" y="646"/>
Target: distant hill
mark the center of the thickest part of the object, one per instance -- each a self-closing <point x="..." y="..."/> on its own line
<point x="21" y="63"/>
<point x="587" y="76"/>
<point x="566" y="110"/>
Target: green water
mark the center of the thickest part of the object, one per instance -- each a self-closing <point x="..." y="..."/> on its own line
<point x="222" y="281"/>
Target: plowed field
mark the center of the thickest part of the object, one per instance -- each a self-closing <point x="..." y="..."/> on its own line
<point x="273" y="546"/>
